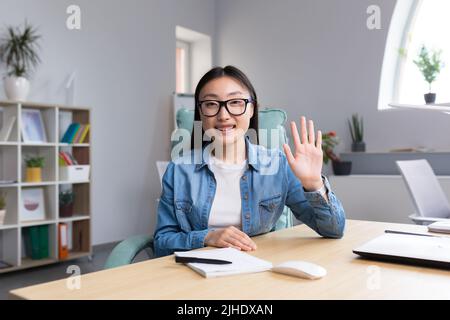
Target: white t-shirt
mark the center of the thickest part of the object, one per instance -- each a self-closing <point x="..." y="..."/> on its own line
<point x="226" y="206"/>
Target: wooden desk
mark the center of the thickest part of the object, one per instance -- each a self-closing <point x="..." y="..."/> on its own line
<point x="349" y="277"/>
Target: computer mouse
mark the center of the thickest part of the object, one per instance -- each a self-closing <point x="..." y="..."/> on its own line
<point x="302" y="269"/>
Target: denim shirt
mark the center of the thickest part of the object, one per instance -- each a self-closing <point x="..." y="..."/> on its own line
<point x="266" y="187"/>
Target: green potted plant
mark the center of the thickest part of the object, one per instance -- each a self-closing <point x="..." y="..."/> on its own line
<point x="66" y="199"/>
<point x="19" y="52"/>
<point x="329" y="141"/>
<point x="356" y="126"/>
<point x="34" y="169"/>
<point x="430" y="65"/>
<point x="2" y="207"/>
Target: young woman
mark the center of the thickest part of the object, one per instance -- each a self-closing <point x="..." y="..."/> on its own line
<point x="229" y="189"/>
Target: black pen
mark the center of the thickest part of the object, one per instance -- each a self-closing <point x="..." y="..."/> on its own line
<point x="200" y="260"/>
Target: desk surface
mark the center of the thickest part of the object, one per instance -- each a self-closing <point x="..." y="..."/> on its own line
<point x="349" y="277"/>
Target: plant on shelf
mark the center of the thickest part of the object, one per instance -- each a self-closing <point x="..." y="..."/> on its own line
<point x="66" y="200"/>
<point x="34" y="168"/>
<point x="19" y="52"/>
<point x="2" y="207"/>
<point x="356" y="126"/>
<point x="329" y="141"/>
<point x="430" y="65"/>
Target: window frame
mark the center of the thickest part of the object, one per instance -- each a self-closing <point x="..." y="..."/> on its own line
<point x="186" y="46"/>
<point x="403" y="18"/>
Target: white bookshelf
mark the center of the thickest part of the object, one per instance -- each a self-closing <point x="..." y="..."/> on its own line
<point x="12" y="153"/>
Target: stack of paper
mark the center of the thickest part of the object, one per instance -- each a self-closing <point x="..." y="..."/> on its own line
<point x="241" y="262"/>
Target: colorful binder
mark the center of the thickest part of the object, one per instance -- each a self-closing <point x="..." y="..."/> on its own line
<point x="71" y="130"/>
<point x="36" y="242"/>
<point x="63" y="241"/>
<point x="85" y="132"/>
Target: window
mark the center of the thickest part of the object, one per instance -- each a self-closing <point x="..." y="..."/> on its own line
<point x="415" y="23"/>
<point x="193" y="58"/>
<point x="182" y="67"/>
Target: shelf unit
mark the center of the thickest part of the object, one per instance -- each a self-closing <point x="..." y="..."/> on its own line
<point x="56" y="120"/>
<point x="441" y="107"/>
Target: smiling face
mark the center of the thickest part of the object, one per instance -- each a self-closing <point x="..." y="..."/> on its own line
<point x="225" y="127"/>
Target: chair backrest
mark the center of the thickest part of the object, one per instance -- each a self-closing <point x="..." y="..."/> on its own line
<point x="272" y="134"/>
<point x="428" y="197"/>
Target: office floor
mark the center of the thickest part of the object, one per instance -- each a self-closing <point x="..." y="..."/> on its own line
<point x="24" y="278"/>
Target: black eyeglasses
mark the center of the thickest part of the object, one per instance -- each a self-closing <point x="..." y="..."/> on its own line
<point x="235" y="107"/>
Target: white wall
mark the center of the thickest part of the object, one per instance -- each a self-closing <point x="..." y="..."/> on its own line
<point x="125" y="59"/>
<point x="378" y="197"/>
<point x="317" y="58"/>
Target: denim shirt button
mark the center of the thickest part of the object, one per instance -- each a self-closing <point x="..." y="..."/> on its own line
<point x="246" y="196"/>
<point x="247" y="216"/>
<point x="244" y="177"/>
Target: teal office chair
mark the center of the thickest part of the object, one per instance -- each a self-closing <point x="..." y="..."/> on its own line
<point x="270" y="119"/>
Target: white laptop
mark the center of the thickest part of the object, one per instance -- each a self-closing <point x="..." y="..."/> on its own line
<point x="426" y="250"/>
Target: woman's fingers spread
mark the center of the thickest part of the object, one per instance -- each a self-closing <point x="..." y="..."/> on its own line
<point x="295" y="135"/>
<point x="319" y="139"/>
<point x="312" y="138"/>
<point x="288" y="152"/>
<point x="303" y="130"/>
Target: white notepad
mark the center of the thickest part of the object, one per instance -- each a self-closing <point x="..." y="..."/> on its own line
<point x="241" y="262"/>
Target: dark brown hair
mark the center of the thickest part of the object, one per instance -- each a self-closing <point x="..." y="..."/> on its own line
<point x="235" y="73"/>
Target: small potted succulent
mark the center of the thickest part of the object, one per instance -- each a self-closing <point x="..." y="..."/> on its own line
<point x="19" y="53"/>
<point x="329" y="141"/>
<point x="66" y="199"/>
<point x="34" y="169"/>
<point x="430" y="65"/>
<point x="2" y="207"/>
<point x="356" y="127"/>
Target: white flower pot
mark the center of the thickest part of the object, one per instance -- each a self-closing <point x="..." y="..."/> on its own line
<point x="2" y="216"/>
<point x="17" y="88"/>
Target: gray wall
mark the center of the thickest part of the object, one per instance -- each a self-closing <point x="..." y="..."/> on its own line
<point x="125" y="59"/>
<point x="317" y="58"/>
<point x="312" y="57"/>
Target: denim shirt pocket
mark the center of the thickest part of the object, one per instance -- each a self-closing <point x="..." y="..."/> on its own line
<point x="182" y="210"/>
<point x="267" y="210"/>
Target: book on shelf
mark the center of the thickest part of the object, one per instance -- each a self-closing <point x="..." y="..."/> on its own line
<point x="77" y="136"/>
<point x="75" y="133"/>
<point x="67" y="159"/>
<point x="5" y="131"/>
<point x="85" y="132"/>
<point x="36" y="242"/>
<point x="63" y="240"/>
<point x="70" y="132"/>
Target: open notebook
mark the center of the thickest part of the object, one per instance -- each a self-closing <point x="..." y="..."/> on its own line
<point x="241" y="262"/>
